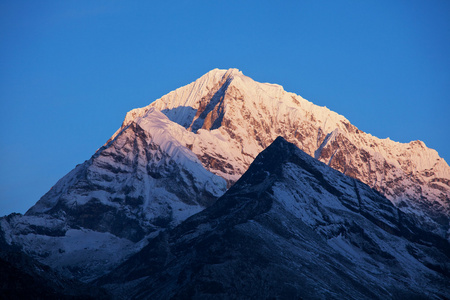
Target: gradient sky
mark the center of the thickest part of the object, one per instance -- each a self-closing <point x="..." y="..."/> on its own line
<point x="70" y="70"/>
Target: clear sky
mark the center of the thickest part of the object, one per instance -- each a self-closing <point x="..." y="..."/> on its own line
<point x="70" y="70"/>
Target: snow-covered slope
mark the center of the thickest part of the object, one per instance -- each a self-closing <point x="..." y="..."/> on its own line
<point x="22" y="277"/>
<point x="290" y="228"/>
<point x="234" y="118"/>
<point x="140" y="182"/>
<point x="144" y="173"/>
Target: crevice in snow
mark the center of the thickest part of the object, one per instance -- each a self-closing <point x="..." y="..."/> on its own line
<point x="332" y="156"/>
<point x="328" y="139"/>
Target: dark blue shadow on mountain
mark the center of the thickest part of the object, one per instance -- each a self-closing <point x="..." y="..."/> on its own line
<point x="182" y="115"/>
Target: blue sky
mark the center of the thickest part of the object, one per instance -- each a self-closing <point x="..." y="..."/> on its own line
<point x="70" y="70"/>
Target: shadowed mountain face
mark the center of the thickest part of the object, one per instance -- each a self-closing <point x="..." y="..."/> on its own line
<point x="290" y="228"/>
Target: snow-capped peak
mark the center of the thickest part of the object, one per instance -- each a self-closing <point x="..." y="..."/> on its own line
<point x="233" y="118"/>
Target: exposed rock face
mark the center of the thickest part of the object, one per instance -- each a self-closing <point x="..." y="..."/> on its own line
<point x="235" y="118"/>
<point x="290" y="228"/>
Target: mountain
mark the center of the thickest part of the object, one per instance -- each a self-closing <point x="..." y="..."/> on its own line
<point x="140" y="182"/>
<point x="175" y="157"/>
<point x="290" y="228"/>
<point x="234" y="118"/>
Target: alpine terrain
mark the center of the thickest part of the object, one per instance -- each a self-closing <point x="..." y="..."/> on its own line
<point x="141" y="217"/>
<point x="290" y="228"/>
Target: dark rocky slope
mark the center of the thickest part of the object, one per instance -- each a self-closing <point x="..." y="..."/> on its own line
<point x="290" y="228"/>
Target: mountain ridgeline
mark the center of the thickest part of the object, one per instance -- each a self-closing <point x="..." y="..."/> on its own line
<point x="230" y="188"/>
<point x="290" y="228"/>
<point x="234" y="118"/>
